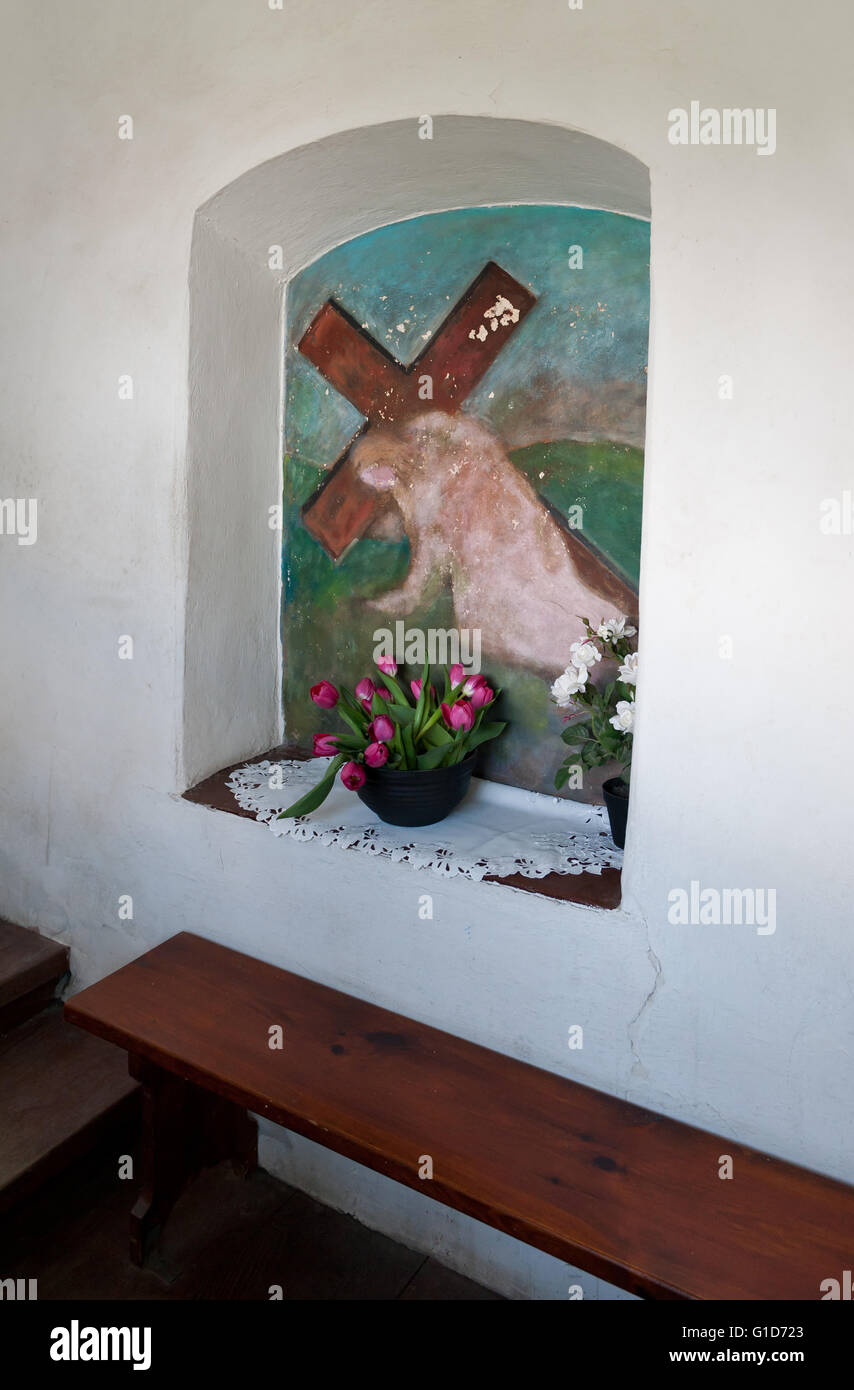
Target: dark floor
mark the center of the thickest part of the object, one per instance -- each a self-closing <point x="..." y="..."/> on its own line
<point x="228" y="1238"/>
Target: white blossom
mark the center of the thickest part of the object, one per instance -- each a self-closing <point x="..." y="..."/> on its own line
<point x="624" y="719"/>
<point x="612" y="629"/>
<point x="628" y="672"/>
<point x="573" y="680"/>
<point x="585" y="654"/>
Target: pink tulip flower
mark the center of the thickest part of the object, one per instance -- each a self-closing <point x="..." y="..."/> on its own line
<point x="458" y="716"/>
<point x="325" y="745"/>
<point x="353" y="776"/>
<point x="387" y="666"/>
<point x="415" y="687"/>
<point x="365" y="689"/>
<point x="457" y="674"/>
<point x="376" y="754"/>
<point x="383" y="693"/>
<point x="382" y="728"/>
<point x="472" y="684"/>
<point x="325" y="695"/>
<point x="482" y="695"/>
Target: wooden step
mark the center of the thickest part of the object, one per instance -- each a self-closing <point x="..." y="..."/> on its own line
<point x="61" y="1093"/>
<point x="30" y="970"/>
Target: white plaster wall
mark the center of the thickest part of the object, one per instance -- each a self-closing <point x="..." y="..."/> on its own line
<point x="743" y="767"/>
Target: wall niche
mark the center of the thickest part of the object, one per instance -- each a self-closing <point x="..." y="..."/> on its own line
<point x="465" y="399"/>
<point x="538" y="230"/>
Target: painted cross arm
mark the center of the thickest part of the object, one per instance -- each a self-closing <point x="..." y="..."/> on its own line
<point x="385" y="392"/>
<point x="473" y="335"/>
<point x="353" y="363"/>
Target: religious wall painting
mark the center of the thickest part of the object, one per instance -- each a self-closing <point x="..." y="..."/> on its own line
<point x="464" y="424"/>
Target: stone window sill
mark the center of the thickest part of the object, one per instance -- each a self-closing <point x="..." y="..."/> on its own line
<point x="587" y="889"/>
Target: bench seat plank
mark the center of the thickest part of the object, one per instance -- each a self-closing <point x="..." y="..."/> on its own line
<point x="625" y="1194"/>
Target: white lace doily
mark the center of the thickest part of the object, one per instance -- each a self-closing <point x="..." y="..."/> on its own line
<point x="497" y="830"/>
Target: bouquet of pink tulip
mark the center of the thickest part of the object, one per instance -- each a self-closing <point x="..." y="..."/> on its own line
<point x="388" y="728"/>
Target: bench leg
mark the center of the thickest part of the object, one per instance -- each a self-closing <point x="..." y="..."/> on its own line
<point x="184" y="1128"/>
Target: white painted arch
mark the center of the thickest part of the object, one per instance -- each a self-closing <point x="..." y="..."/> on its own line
<point x="307" y="201"/>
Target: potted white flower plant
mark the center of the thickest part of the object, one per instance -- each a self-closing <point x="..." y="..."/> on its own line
<point x="602" y="716"/>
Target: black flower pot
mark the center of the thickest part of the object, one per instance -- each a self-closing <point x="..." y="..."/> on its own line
<point x="617" y="801"/>
<point x="416" y="798"/>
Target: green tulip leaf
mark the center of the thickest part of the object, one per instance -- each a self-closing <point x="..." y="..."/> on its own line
<point x="318" y="794"/>
<point x="483" y="734"/>
<point x="401" y="714"/>
<point x="432" y="758"/>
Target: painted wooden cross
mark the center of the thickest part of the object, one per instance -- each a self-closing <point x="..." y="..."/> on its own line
<point x="455" y="359"/>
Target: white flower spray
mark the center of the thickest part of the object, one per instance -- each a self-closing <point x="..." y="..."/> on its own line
<point x="604" y="730"/>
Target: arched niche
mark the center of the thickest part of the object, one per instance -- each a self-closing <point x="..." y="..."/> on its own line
<point x="248" y="241"/>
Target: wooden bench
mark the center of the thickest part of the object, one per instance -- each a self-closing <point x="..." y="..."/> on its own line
<point x="622" y="1193"/>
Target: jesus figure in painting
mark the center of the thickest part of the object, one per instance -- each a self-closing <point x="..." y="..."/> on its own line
<point x="475" y="523"/>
